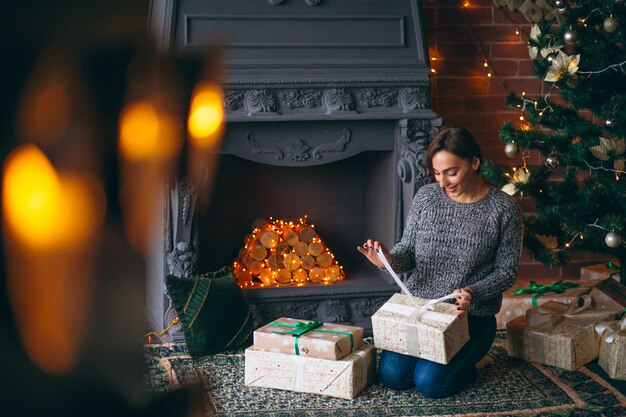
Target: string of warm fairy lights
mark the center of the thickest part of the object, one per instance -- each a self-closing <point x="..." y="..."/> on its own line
<point x="490" y="73"/>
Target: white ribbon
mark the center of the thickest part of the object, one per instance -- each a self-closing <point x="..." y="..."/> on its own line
<point x="417" y="312"/>
<point x="613" y="328"/>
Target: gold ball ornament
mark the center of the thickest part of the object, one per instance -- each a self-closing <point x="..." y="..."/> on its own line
<point x="612" y="240"/>
<point x="511" y="149"/>
<point x="610" y="24"/>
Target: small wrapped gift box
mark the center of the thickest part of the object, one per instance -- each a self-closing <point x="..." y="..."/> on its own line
<point x="343" y="378"/>
<point x="600" y="271"/>
<point x="315" y="339"/>
<point x="609" y="295"/>
<point x="556" y="334"/>
<point x="516" y="301"/>
<point x="436" y="335"/>
<point x="612" y="356"/>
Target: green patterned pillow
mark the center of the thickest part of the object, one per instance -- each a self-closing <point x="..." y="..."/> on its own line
<point x="212" y="310"/>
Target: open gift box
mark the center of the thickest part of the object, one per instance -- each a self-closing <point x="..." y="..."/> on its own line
<point x="436" y="334"/>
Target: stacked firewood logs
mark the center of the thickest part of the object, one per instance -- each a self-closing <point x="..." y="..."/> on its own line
<point x="282" y="252"/>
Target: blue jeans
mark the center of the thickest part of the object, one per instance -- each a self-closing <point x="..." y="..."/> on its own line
<point x="434" y="380"/>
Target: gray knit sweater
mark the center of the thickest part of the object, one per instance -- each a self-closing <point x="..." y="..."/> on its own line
<point x="449" y="245"/>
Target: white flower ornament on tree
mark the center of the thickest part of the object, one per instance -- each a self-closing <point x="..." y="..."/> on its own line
<point x="561" y="66"/>
<point x="533" y="51"/>
<point x="608" y="146"/>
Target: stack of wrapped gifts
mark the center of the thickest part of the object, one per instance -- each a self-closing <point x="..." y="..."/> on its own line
<point x="311" y="357"/>
<point x="570" y="335"/>
<point x="407" y="325"/>
<point x="516" y="301"/>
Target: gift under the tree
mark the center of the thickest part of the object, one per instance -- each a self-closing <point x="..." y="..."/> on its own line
<point x="609" y="295"/>
<point x="557" y="334"/>
<point x="600" y="271"/>
<point x="308" y="338"/>
<point x="612" y="356"/>
<point x="343" y="378"/>
<point x="516" y="301"/>
<point x="430" y="331"/>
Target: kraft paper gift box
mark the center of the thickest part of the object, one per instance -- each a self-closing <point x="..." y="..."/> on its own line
<point x="343" y="378"/>
<point x="436" y="335"/>
<point x="551" y="336"/>
<point x="612" y="356"/>
<point x="306" y="338"/>
<point x="609" y="295"/>
<point x="600" y="271"/>
<point x="516" y="301"/>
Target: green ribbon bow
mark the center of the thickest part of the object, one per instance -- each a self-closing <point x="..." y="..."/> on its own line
<point x="558" y="287"/>
<point x="614" y="267"/>
<point x="300" y="328"/>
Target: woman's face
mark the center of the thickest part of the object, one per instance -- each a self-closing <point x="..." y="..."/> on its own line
<point x="454" y="174"/>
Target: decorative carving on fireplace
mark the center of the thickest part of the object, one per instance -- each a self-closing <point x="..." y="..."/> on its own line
<point x="294" y="98"/>
<point x="261" y="101"/>
<point x="314" y="102"/>
<point x="256" y="148"/>
<point x="412" y="98"/>
<point x="378" y="97"/>
<point x="338" y="99"/>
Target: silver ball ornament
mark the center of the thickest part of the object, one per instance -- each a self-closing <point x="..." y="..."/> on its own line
<point x="559" y="4"/>
<point x="610" y="24"/>
<point x="511" y="149"/>
<point x="551" y="57"/>
<point x="570" y="36"/>
<point x="612" y="240"/>
<point x="552" y="160"/>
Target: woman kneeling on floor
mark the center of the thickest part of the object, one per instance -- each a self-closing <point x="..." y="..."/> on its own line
<point x="461" y="234"/>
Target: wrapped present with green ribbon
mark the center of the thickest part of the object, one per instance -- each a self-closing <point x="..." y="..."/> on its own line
<point x="601" y="271"/>
<point x="308" y="338"/>
<point x="557" y="334"/>
<point x="516" y="301"/>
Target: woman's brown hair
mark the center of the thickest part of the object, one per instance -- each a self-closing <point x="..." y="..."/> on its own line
<point x="456" y="140"/>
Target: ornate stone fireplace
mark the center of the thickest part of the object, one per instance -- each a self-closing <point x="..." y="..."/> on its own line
<point x="328" y="115"/>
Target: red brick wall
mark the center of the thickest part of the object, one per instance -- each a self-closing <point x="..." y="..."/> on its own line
<point x="460" y="40"/>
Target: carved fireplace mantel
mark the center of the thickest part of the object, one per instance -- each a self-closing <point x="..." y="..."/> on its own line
<point x="322" y="88"/>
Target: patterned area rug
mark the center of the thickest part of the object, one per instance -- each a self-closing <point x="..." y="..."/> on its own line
<point x="511" y="387"/>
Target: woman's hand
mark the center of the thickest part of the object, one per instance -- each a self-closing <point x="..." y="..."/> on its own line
<point x="463" y="299"/>
<point x="369" y="249"/>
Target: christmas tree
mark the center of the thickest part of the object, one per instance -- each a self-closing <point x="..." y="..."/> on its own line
<point x="579" y="129"/>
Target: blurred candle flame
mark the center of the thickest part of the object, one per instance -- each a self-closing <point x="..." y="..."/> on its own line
<point x="146" y="133"/>
<point x="52" y="219"/>
<point x="31" y="196"/>
<point x="206" y="115"/>
<point x="46" y="210"/>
